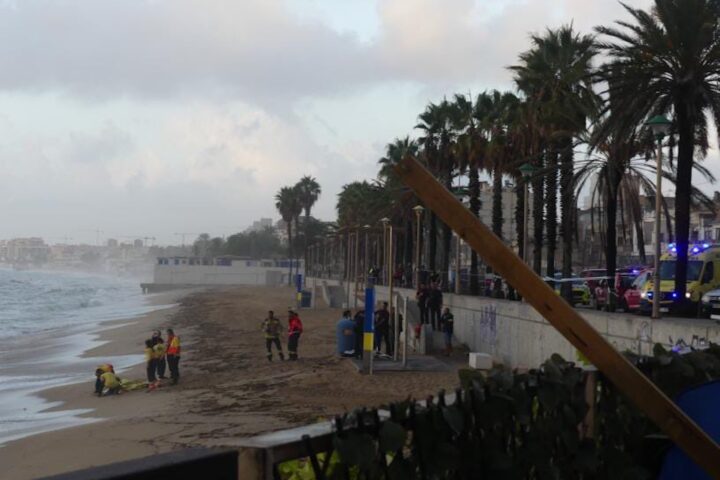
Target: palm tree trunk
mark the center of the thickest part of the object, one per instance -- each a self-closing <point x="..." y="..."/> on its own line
<point x="567" y="205"/>
<point x="289" y="232"/>
<point x="611" y="201"/>
<point x="538" y="183"/>
<point x="432" y="242"/>
<point x="447" y="242"/>
<point x="305" y="241"/>
<point x="497" y="216"/>
<point x="683" y="187"/>
<point x="474" y="191"/>
<point x="551" y="208"/>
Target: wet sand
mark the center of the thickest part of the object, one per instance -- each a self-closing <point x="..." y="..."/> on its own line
<point x="228" y="389"/>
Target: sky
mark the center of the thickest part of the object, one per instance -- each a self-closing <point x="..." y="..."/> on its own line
<point x="153" y="118"/>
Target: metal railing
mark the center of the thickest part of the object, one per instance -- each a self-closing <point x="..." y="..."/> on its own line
<point x="190" y="464"/>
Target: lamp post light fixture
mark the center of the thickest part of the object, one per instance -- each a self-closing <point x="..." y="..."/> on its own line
<point x="660" y="127"/>
<point x="418" y="209"/>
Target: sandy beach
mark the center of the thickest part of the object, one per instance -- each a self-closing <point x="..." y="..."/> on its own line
<point x="228" y="389"/>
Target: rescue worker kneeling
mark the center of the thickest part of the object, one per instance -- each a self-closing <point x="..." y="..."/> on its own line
<point x="109" y="383"/>
<point x="106" y="367"/>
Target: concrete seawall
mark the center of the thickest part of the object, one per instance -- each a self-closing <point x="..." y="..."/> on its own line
<point x="517" y="335"/>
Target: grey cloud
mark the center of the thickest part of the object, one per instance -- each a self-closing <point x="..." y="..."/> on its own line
<point x="258" y="51"/>
<point x="108" y="144"/>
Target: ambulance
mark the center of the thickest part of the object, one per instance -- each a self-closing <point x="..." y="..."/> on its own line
<point x="703" y="275"/>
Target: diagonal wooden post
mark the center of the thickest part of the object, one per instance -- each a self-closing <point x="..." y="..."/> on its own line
<point x="653" y="402"/>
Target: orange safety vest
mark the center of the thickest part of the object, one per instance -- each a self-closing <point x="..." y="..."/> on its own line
<point x="173" y="345"/>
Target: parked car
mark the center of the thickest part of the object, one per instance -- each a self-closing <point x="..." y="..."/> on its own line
<point x="630" y="301"/>
<point x="624" y="278"/>
<point x="710" y="304"/>
<point x="580" y="290"/>
<point x="592" y="277"/>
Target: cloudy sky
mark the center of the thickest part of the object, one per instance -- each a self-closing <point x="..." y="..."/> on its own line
<point x="151" y="117"/>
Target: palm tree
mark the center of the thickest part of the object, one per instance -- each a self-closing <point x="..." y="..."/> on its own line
<point x="288" y="205"/>
<point x="470" y="154"/>
<point x="668" y="61"/>
<point x="308" y="191"/>
<point x="555" y="75"/>
<point x="436" y="122"/>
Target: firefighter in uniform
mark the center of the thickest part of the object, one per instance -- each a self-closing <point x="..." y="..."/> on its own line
<point x="272" y="327"/>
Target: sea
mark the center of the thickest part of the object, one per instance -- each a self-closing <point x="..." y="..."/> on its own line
<point x="47" y="320"/>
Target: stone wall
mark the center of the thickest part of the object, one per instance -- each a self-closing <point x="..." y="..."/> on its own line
<point x="517" y="335"/>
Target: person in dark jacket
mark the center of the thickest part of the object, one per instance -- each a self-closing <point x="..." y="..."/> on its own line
<point x="435" y="301"/>
<point x="447" y="321"/>
<point x="382" y="329"/>
<point x="359" y="320"/>
<point x="422" y="298"/>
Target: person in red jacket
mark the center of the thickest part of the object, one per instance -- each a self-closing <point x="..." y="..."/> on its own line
<point x="295" y="329"/>
<point x="173" y="355"/>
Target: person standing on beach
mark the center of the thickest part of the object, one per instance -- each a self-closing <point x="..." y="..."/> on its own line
<point x="271" y="326"/>
<point x="173" y="355"/>
<point x="359" y="321"/>
<point x="295" y="329"/>
<point x="382" y="329"/>
<point x="150" y="364"/>
<point x="447" y="321"/>
<point x="435" y="301"/>
<point x="422" y="300"/>
<point x="159" y="348"/>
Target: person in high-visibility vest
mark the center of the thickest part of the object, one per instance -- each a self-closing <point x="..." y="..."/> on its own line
<point x="295" y="328"/>
<point x="109" y="383"/>
<point x="173" y="355"/>
<point x="272" y="328"/>
<point x="159" y="349"/>
<point x="150" y="364"/>
<point x="104" y="368"/>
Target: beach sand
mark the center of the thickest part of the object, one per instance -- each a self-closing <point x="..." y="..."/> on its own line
<point x="228" y="389"/>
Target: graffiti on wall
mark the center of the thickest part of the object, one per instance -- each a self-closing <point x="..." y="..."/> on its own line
<point x="488" y="324"/>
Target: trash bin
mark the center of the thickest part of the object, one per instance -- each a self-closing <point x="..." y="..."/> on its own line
<point x="345" y="337"/>
<point x="305" y="299"/>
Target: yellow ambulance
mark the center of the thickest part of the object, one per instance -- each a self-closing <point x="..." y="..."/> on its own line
<point x="703" y="275"/>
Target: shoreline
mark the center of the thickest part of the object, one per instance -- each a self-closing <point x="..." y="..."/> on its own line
<point x="227" y="390"/>
<point x="66" y="359"/>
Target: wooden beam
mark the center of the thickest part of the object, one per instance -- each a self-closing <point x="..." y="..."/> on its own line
<point x="628" y="379"/>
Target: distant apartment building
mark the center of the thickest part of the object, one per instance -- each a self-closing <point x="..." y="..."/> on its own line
<point x="260" y="225"/>
<point x="631" y="238"/>
<point x="26" y="250"/>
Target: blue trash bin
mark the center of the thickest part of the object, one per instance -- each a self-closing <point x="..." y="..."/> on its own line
<point x="305" y="299"/>
<point x="345" y="337"/>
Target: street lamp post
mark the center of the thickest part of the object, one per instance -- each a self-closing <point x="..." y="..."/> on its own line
<point x="527" y="170"/>
<point x="418" y="216"/>
<point x="366" y="261"/>
<point x="660" y="126"/>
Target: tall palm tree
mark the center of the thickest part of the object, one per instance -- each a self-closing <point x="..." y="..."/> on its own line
<point x="668" y="61"/>
<point x="308" y="192"/>
<point x="437" y="140"/>
<point x="288" y="205"/>
<point x="470" y="148"/>
<point x="555" y="75"/>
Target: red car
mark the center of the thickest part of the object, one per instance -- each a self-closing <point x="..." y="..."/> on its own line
<point x="630" y="301"/>
<point x="624" y="278"/>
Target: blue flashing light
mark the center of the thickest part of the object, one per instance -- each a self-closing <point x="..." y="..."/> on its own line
<point x="636" y="272"/>
<point x="672" y="245"/>
<point x="649" y="295"/>
<point x="673" y="249"/>
<point x="696" y="250"/>
<point x="706" y="245"/>
<point x="674" y="294"/>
